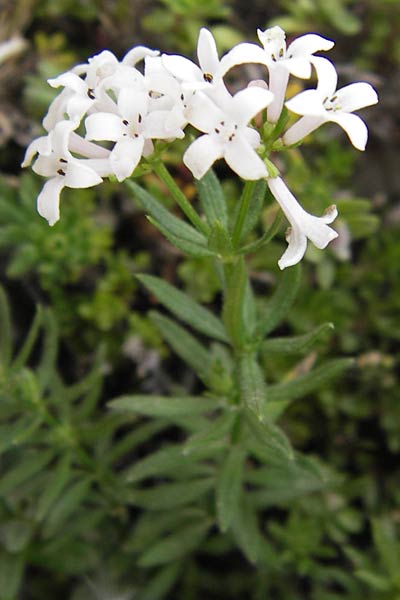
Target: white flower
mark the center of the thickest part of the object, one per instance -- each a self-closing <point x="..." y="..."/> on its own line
<point x="303" y="225"/>
<point x="325" y="104"/>
<point x="56" y="161"/>
<point x="296" y="59"/>
<point x="227" y="134"/>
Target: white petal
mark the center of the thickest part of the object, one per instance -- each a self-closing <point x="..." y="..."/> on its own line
<point x="57" y="109"/>
<point x="125" y="157"/>
<point x="278" y="80"/>
<point x="203" y="113"/>
<point x="302" y="128"/>
<point x="161" y="124"/>
<point x="356" y="95"/>
<point x="309" y="44"/>
<point x="70" y="81"/>
<point x="138" y="53"/>
<point x="41" y="145"/>
<point x="251" y="135"/>
<point x="319" y="233"/>
<point x="297" y="245"/>
<point x="355" y="128"/>
<point x="77" y="106"/>
<point x="103" y="126"/>
<point x="241" y="54"/>
<point x="247" y="103"/>
<point x="207" y="53"/>
<point x="48" y="202"/>
<point x="202" y="154"/>
<point x="299" y="67"/>
<point x="60" y="136"/>
<point x="182" y="68"/>
<point x="244" y="160"/>
<point x="308" y="102"/>
<point x="327" y="76"/>
<point x="79" y="175"/>
<point x="85" y="148"/>
<point x="132" y="104"/>
<point x="46" y="166"/>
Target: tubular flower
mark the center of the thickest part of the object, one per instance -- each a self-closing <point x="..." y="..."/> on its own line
<point x="326" y="104"/>
<point x="303" y="226"/>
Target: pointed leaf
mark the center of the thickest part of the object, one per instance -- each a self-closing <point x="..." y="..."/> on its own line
<point x="186" y="246"/>
<point x="387" y="544"/>
<point x="175" y="546"/>
<point x="184" y="344"/>
<point x="281" y="302"/>
<point x="11" y="574"/>
<point x="212" y="199"/>
<point x="66" y="506"/>
<point x="216" y="431"/>
<point x="229" y="487"/>
<point x="161" y="582"/>
<point x="270" y="436"/>
<point x="163" y="406"/>
<point x="235" y="293"/>
<point x="5" y="329"/>
<point x="246" y="530"/>
<point x="171" y="495"/>
<point x="184" y="307"/>
<point x="253" y="389"/>
<point x="30" y="340"/>
<point x="295" y="345"/>
<point x="172" y="224"/>
<point x="255" y="207"/>
<point x="31" y="464"/>
<point x="56" y="482"/>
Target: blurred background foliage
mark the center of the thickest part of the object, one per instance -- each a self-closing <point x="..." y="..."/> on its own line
<point x="70" y="527"/>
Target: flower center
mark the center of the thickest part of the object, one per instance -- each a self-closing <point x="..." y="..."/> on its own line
<point x="226" y="131"/>
<point x="331" y="104"/>
<point x="132" y="128"/>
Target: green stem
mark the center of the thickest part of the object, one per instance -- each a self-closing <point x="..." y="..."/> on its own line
<point x="162" y="172"/>
<point x="244" y="207"/>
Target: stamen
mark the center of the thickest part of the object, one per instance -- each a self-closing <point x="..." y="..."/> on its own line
<point x="208" y="77"/>
<point x="216" y="130"/>
<point x="139" y="118"/>
<point x="61" y="172"/>
<point x="125" y="122"/>
<point x="63" y="160"/>
<point x="91" y="94"/>
<point x="281" y="53"/>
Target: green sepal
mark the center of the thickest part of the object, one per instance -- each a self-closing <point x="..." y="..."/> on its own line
<point x="185" y="308"/>
<point x="212" y="199"/>
<point x="184" y="344"/>
<point x="162" y="406"/>
<point x="280" y="303"/>
<point x="297" y="344"/>
<point x="253" y="389"/>
<point x="229" y="487"/>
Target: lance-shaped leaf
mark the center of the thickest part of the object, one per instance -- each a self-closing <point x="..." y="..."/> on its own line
<point x="176" y="545"/>
<point x="5" y="329"/>
<point x="161" y="583"/>
<point x="184" y="344"/>
<point x="387" y="544"/>
<point x="186" y="246"/>
<point x="255" y="207"/>
<point x="163" y="406"/>
<point x="246" y="529"/>
<point x="216" y="431"/>
<point x="65" y="507"/>
<point x="281" y="302"/>
<point x="234" y="297"/>
<point x="212" y="199"/>
<point x="297" y="344"/>
<point x="172" y="495"/>
<point x="253" y="389"/>
<point x="184" y="307"/>
<point x="315" y="379"/>
<point x="56" y="482"/>
<point x="269" y="436"/>
<point x="30" y="340"/>
<point x="219" y="241"/>
<point x="229" y="487"/>
<point x="176" y="227"/>
<point x="30" y="464"/>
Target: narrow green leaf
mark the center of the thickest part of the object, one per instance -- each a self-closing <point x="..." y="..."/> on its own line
<point x="219" y="241"/>
<point x="31" y="464"/>
<point x="171" y="495"/>
<point x="170" y="460"/>
<point x="11" y="574"/>
<point x="65" y="506"/>
<point x="16" y="534"/>
<point x="30" y="340"/>
<point x="315" y="379"/>
<point x="212" y="199"/>
<point x="126" y="444"/>
<point x="281" y="301"/>
<point x="253" y="389"/>
<point x="5" y="329"/>
<point x="295" y="345"/>
<point x="270" y="436"/>
<point x="184" y="344"/>
<point x="235" y="293"/>
<point x="184" y="307"/>
<point x="186" y="246"/>
<point x="176" y="227"/>
<point x="376" y="581"/>
<point x="266" y="238"/>
<point x="216" y="431"/>
<point x="246" y="530"/>
<point x="161" y="583"/>
<point x="387" y="544"/>
<point x="57" y="480"/>
<point x="229" y="487"/>
<point x="175" y="546"/>
<point x="163" y="406"/>
<point x="14" y="434"/>
<point x="50" y="346"/>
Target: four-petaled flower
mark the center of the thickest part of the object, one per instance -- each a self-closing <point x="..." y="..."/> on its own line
<point x="326" y="104"/>
<point x="226" y="134"/>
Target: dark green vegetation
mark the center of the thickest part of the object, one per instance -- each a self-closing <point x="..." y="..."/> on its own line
<point x="103" y="491"/>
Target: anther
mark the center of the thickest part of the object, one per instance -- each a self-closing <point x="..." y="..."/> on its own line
<point x="208" y="77"/>
<point x="125" y="122"/>
<point x="63" y="160"/>
<point x="61" y="172"/>
<point x="91" y="94"/>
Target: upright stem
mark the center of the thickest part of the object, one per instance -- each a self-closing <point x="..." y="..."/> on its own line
<point x="244" y="207"/>
<point x="161" y="171"/>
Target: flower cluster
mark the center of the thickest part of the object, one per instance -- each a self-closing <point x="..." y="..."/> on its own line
<point x="109" y="113"/>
